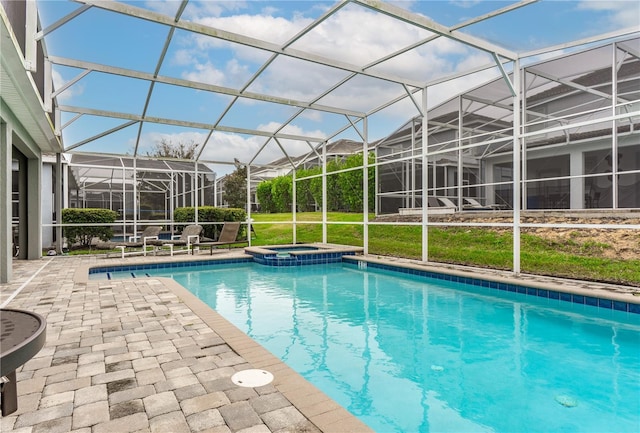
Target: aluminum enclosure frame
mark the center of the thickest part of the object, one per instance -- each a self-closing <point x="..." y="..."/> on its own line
<point x="504" y="63"/>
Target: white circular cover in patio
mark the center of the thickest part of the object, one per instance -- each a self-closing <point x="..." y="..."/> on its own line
<point x="252" y="378"/>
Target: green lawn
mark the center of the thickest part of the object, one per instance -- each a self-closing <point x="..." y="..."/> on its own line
<point x="477" y="246"/>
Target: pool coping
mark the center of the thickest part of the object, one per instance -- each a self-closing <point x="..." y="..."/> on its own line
<point x="554" y="284"/>
<point x="324" y="248"/>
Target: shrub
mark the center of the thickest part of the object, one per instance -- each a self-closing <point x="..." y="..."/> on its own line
<point x="344" y="189"/>
<point x="84" y="234"/>
<point x="305" y="201"/>
<point x="211" y="214"/>
<point x="263" y="192"/>
<point x="281" y="188"/>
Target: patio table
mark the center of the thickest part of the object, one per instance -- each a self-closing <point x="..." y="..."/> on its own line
<point x="22" y="335"/>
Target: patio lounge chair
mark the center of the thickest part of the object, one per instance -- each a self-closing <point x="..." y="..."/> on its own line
<point x="473" y="204"/>
<point x="437" y="206"/>
<point x="149" y="234"/>
<point x="190" y="235"/>
<point x="227" y="237"/>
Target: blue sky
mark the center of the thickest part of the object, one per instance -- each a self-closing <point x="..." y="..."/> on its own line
<point x="354" y="35"/>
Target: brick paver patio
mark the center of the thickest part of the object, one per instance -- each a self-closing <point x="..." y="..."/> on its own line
<point x="143" y="355"/>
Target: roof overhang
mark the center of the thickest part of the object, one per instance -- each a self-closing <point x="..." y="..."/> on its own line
<point x="19" y="96"/>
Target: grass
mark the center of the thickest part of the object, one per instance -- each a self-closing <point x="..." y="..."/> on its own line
<point x="476" y="246"/>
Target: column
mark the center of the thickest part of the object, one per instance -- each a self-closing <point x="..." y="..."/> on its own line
<point x="6" y="250"/>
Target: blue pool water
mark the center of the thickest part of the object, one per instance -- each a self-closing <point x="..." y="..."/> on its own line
<point x="412" y="354"/>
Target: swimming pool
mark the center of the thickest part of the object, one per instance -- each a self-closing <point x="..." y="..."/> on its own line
<point x="407" y="353"/>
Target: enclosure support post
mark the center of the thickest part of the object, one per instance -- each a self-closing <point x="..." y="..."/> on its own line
<point x="460" y="176"/>
<point x="516" y="166"/>
<point x="249" y="204"/>
<point x="523" y="142"/>
<point x="425" y="178"/>
<point x="202" y="182"/>
<point x="194" y="189"/>
<point x="375" y="181"/>
<point x="124" y="199"/>
<point x="136" y="202"/>
<point x="57" y="205"/>
<point x="411" y="175"/>
<point x="294" y="207"/>
<point x="184" y="190"/>
<point x="171" y="200"/>
<point x="324" y="192"/>
<point x="215" y="191"/>
<point x="365" y="185"/>
<point x="614" y="129"/>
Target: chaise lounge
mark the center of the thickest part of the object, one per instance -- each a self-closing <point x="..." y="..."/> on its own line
<point x="149" y="234"/>
<point x="190" y="235"/>
<point x="227" y="237"/>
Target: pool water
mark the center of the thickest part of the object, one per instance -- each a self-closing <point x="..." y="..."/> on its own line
<point x="411" y="354"/>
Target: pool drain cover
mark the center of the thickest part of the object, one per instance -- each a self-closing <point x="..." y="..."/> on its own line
<point x="252" y="378"/>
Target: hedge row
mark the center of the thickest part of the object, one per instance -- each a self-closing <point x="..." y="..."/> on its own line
<point x="344" y="190"/>
<point x="89" y="216"/>
<point x="211" y="214"/>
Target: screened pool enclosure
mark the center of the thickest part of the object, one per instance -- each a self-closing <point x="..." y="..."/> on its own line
<point x="474" y="109"/>
<point x="576" y="112"/>
<point x="141" y="191"/>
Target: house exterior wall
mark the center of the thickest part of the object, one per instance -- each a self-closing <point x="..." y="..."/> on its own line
<point x="26" y="133"/>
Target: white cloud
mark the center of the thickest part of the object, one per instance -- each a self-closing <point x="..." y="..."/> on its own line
<point x="225" y="147"/>
<point x="358" y="36"/>
<point x="312" y="115"/>
<point x="205" y="73"/>
<point x="167" y="7"/>
<point x="212" y="8"/>
<point x="620" y="14"/>
<point x="354" y="35"/>
<point x="183" y="57"/>
<point x="296" y="79"/>
<point x="265" y="27"/>
<point x="377" y="35"/>
<point x="69" y="93"/>
<point x="291" y="130"/>
<point x="465" y="4"/>
<point x="293" y="148"/>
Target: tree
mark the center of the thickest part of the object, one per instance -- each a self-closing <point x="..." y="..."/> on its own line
<point x="166" y="149"/>
<point x="235" y="187"/>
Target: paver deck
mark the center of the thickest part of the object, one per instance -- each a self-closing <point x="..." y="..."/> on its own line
<point x="145" y="355"/>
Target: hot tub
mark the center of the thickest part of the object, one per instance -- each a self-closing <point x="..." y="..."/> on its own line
<point x="300" y="254"/>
